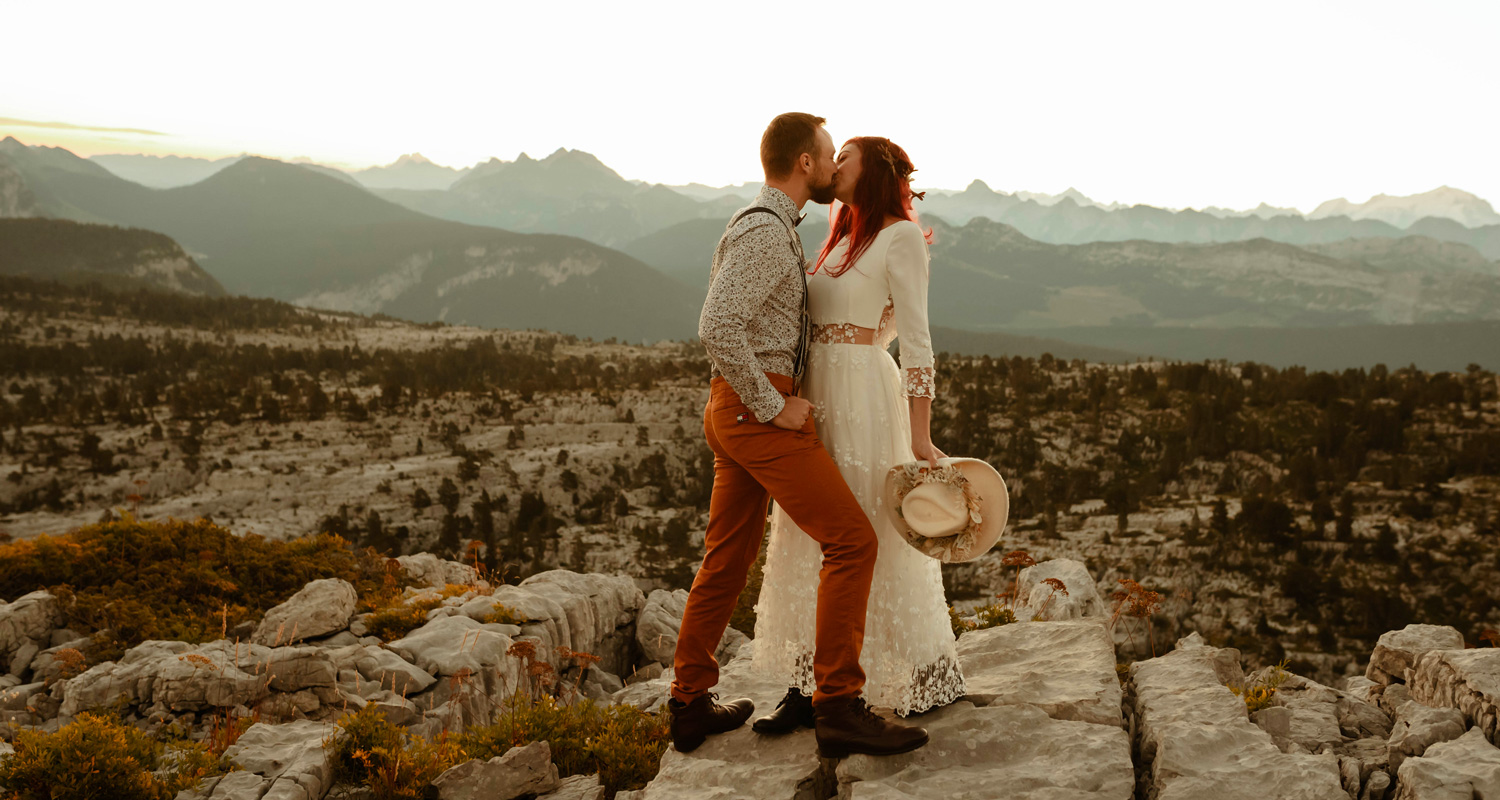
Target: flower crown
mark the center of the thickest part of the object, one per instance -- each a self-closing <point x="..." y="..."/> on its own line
<point x="902" y="171"/>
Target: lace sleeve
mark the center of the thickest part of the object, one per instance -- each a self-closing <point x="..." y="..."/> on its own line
<point x="906" y="262"/>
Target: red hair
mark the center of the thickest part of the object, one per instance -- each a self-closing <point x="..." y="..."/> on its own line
<point x="883" y="189"/>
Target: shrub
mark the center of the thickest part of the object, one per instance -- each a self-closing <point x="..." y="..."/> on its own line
<point x="622" y="743"/>
<point x="189" y="581"/>
<point x="959" y="624"/>
<point x="994" y="615"/>
<point x="504" y="615"/>
<point x="97" y="757"/>
<point x="393" y="622"/>
<point x="1261" y="693"/>
<point x="371" y="751"/>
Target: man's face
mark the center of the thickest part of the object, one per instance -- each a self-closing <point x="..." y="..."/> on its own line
<point x="824" y="175"/>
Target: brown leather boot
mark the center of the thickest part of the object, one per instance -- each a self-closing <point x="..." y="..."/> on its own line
<point x="793" y="712"/>
<point x="846" y="725"/>
<point x="693" y="722"/>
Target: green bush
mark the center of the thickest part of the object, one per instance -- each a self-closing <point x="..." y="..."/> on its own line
<point x="97" y="757"/>
<point x="189" y="581"/>
<point x="621" y="743"/>
<point x="504" y="615"/>
<point x="393" y="622"/>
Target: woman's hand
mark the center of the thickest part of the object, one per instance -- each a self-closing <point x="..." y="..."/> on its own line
<point x="925" y="450"/>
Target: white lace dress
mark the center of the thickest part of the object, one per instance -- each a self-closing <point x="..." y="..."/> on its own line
<point x="860" y="401"/>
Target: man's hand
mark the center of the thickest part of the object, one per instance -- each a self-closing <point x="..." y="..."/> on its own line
<point x="794" y="414"/>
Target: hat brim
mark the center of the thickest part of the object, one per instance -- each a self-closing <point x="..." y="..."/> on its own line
<point x="994" y="500"/>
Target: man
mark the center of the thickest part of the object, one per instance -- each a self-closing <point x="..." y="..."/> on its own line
<point x="765" y="446"/>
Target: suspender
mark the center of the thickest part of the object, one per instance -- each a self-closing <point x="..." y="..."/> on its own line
<point x="804" y="334"/>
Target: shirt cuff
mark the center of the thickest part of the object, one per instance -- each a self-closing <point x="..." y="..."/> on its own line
<point x="766" y="408"/>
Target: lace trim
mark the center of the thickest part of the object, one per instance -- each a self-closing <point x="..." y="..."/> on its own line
<point x="931" y="686"/>
<point x="920" y="382"/>
<point x="842" y="333"/>
<point x="885" y="332"/>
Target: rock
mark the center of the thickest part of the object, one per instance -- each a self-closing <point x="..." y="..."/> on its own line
<point x="1035" y="597"/>
<point x="437" y="573"/>
<point x="1378" y="787"/>
<point x="21" y="661"/>
<point x="48" y="666"/>
<point x="578" y="787"/>
<point x="1393" y="697"/>
<point x="1065" y="668"/>
<point x="19" y="697"/>
<point x="740" y="763"/>
<point x="29" y="620"/>
<point x="1195" y="739"/>
<point x="600" y="612"/>
<point x="1468" y="680"/>
<point x="289" y="759"/>
<point x="520" y="772"/>
<point x="1397" y="651"/>
<point x="660" y="619"/>
<point x="453" y="645"/>
<point x="1465" y="768"/>
<point x="320" y="608"/>
<point x="649" y="672"/>
<point x="1000" y="752"/>
<point x="1418" y="727"/>
<point x="385" y="669"/>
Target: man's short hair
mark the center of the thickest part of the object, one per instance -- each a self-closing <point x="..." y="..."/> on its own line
<point x="786" y="139"/>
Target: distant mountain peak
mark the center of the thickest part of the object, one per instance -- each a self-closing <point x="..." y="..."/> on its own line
<point x="978" y="186"/>
<point x="1402" y="211"/>
<point x="412" y="158"/>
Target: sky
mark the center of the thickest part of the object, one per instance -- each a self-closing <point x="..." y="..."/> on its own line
<point x="1186" y="104"/>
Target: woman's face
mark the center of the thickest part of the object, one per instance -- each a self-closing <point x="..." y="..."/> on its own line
<point x="848" y="173"/>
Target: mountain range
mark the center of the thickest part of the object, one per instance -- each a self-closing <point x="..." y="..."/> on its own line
<point x="76" y="252"/>
<point x="532" y="247"/>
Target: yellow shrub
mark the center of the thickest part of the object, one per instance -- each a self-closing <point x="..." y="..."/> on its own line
<point x="1262" y="693"/>
<point x="97" y="757"/>
<point x="371" y="751"/>
<point x="504" y="615"/>
<point x="396" y="621"/>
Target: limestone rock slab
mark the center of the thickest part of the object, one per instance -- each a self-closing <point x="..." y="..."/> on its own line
<point x="436" y="573"/>
<point x="1398" y="651"/>
<point x="453" y="645"/>
<point x="1468" y="680"/>
<point x="1419" y="727"/>
<point x="318" y="609"/>
<point x="1000" y="752"/>
<point x="578" y="787"/>
<point x="1463" y="769"/>
<point x="661" y="618"/>
<point x="29" y="620"/>
<point x="521" y="771"/>
<point x="1065" y="668"/>
<point x="290" y="758"/>
<point x="600" y="609"/>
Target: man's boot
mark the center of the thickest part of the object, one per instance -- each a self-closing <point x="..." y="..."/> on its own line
<point x="693" y="722"/>
<point x="793" y="712"/>
<point x="846" y="725"/>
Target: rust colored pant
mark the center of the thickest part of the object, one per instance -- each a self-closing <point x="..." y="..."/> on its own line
<point x="754" y="462"/>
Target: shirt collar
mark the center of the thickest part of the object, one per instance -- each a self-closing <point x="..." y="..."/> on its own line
<point x="779" y="201"/>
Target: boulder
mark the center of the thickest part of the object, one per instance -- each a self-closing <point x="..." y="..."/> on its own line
<point x="1035" y="597"/>
<point x="1397" y="651"/>
<point x="453" y="645"/>
<point x="28" y="621"/>
<point x="1419" y="727"/>
<point x="1468" y="680"/>
<point x="289" y="759"/>
<point x="320" y="608"/>
<point x="522" y="771"/>
<point x="434" y="572"/>
<point x="1000" y="752"/>
<point x="1064" y="668"/>
<point x="600" y="613"/>
<point x="1467" y="767"/>
<point x="660" y="619"/>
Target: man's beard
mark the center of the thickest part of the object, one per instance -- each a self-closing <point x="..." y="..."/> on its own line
<point x="822" y="195"/>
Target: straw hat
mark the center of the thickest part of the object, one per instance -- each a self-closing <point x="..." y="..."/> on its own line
<point x="953" y="512"/>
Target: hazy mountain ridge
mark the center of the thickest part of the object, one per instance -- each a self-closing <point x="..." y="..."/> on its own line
<point x="271" y="229"/>
<point x="123" y="257"/>
<point x="1443" y="202"/>
<point x="162" y="172"/>
<point x="410" y="171"/>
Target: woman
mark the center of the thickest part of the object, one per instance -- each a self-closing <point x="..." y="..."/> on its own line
<point x="868" y="284"/>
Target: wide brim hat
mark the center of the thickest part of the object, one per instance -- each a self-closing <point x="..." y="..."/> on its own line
<point x="954" y="511"/>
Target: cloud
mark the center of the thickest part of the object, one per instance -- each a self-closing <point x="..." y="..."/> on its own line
<point x="65" y="126"/>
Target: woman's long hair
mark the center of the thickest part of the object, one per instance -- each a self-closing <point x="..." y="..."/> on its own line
<point x="883" y="189"/>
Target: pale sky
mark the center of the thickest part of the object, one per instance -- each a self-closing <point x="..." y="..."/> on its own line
<point x="1168" y="103"/>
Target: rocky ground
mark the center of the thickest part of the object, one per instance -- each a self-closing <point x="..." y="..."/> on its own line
<point x="1050" y="712"/>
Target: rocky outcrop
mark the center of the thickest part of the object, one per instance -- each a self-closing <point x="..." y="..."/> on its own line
<point x="1194" y="738"/>
<point x="1419" y="727"/>
<point x="1468" y="680"/>
<point x="520" y="772"/>
<point x="320" y="608"/>
<point x="436" y="573"/>
<point x="999" y="752"/>
<point x="659" y="621"/>
<point x="274" y="762"/>
<point x="1067" y="669"/>
<point x="1467" y="767"/>
<point x="26" y="627"/>
<point x="1398" y="651"/>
